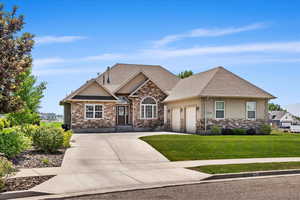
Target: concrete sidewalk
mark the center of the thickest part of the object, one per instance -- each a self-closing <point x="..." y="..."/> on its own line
<point x="110" y="162"/>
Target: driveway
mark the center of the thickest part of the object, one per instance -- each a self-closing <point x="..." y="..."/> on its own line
<point x="114" y="161"/>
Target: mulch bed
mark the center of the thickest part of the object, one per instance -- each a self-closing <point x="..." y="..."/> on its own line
<point x="38" y="159"/>
<point x="24" y="183"/>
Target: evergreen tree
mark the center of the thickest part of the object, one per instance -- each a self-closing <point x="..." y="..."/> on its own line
<point x="15" y="58"/>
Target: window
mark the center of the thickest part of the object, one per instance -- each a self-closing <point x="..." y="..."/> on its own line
<point x="148" y="108"/>
<point x="93" y="111"/>
<point x="220" y="110"/>
<point x="251" y="110"/>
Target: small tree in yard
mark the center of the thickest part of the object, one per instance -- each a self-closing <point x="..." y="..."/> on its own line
<point x="15" y="59"/>
<point x="31" y="94"/>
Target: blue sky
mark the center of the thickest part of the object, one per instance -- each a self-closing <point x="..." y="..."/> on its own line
<point x="258" y="40"/>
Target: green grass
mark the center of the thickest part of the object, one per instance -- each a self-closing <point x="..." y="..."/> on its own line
<point x="236" y="168"/>
<point x="195" y="147"/>
<point x="52" y="124"/>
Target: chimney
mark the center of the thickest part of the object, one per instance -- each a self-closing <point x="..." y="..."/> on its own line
<point x="108" y="70"/>
<point x="103" y="78"/>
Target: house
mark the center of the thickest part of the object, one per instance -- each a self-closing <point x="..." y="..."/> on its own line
<point x="51" y="117"/>
<point x="282" y="119"/>
<point x="148" y="97"/>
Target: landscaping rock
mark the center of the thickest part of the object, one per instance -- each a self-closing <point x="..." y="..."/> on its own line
<point x="38" y="159"/>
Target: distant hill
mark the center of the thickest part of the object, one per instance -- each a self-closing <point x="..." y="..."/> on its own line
<point x="293" y="109"/>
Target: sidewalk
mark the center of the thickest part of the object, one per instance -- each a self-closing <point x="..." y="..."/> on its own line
<point x="164" y="165"/>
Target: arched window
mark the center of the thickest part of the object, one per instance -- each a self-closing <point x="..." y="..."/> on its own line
<point x="148" y="108"/>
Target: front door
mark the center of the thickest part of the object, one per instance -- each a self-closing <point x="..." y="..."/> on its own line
<point x="121" y="115"/>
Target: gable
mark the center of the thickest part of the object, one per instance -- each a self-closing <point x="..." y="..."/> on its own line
<point x="133" y="84"/>
<point x="287" y="117"/>
<point x="93" y="89"/>
<point x="227" y="84"/>
<point x="120" y="73"/>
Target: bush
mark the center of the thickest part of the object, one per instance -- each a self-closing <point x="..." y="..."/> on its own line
<point x="1" y="125"/>
<point x="4" y="123"/>
<point x="28" y="129"/>
<point x="13" y="142"/>
<point x="251" y="131"/>
<point x="265" y="129"/>
<point x="48" y="139"/>
<point x="6" y="169"/>
<point x="227" y="131"/>
<point x="216" y="130"/>
<point x="67" y="138"/>
<point x="239" y="131"/>
<point x="23" y="117"/>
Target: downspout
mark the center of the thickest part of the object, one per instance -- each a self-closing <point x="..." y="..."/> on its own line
<point x="205" y="114"/>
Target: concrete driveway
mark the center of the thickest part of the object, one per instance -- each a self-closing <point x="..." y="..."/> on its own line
<point x="114" y="161"/>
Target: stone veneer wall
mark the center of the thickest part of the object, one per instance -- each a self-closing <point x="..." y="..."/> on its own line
<point x="233" y="123"/>
<point x="149" y="89"/>
<point x="78" y="121"/>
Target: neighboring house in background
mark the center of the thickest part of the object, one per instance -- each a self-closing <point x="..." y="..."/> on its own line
<point x="148" y="97"/>
<point x="282" y="119"/>
<point x="51" y="117"/>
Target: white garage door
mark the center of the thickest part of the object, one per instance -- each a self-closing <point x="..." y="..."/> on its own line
<point x="176" y="119"/>
<point x="190" y="119"/>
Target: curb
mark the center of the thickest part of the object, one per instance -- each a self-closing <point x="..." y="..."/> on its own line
<point x="165" y="185"/>
<point x="252" y="174"/>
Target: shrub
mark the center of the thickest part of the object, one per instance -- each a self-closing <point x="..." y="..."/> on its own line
<point x="4" y="123"/>
<point x="23" y="117"/>
<point x="1" y="125"/>
<point x="227" y="131"/>
<point x="216" y="130"/>
<point x="265" y="129"/>
<point x="48" y="139"/>
<point x="251" y="131"/>
<point x="28" y="129"/>
<point x="13" y="142"/>
<point x="6" y="169"/>
<point x="67" y="138"/>
<point x="239" y="131"/>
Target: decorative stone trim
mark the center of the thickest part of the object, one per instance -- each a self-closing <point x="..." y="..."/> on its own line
<point x="149" y="89"/>
<point x="79" y="121"/>
<point x="232" y="123"/>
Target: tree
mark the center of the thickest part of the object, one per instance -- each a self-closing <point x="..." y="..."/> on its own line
<point x="275" y="107"/>
<point x="31" y="94"/>
<point x="185" y="74"/>
<point x="15" y="58"/>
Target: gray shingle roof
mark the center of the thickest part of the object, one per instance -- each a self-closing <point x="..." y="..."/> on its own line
<point x="120" y="73"/>
<point x="276" y="115"/>
<point x="217" y="82"/>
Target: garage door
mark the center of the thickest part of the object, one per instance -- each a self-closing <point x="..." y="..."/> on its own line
<point x="190" y="119"/>
<point x="176" y="119"/>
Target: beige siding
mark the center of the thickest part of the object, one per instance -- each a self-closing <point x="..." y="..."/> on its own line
<point x="183" y="104"/>
<point x="94" y="89"/>
<point x="133" y="84"/>
<point x="234" y="108"/>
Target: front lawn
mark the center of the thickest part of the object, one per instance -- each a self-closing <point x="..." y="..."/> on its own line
<point x="251" y="167"/>
<point x="196" y="147"/>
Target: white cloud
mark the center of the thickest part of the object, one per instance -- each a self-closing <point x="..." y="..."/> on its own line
<point x="47" y="61"/>
<point x="206" y="33"/>
<point x="41" y="62"/>
<point x="105" y="56"/>
<point x="286" y="47"/>
<point x="63" y="71"/>
<point x="57" y="39"/>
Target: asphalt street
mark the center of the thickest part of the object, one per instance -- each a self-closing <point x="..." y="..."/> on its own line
<point x="262" y="188"/>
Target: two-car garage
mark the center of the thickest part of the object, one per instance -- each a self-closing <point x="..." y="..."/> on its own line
<point x="188" y="115"/>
